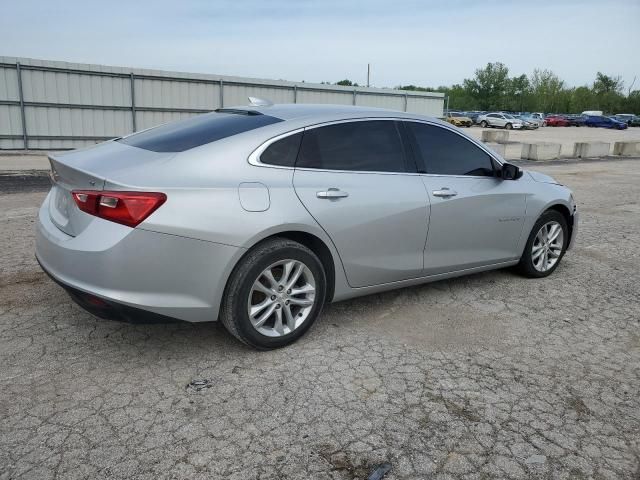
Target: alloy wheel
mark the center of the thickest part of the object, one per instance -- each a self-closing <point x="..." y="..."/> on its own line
<point x="547" y="246"/>
<point x="281" y="298"/>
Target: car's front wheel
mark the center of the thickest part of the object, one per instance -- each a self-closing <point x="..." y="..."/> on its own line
<point x="545" y="246"/>
<point x="484" y="124"/>
<point x="508" y="126"/>
<point x="274" y="295"/>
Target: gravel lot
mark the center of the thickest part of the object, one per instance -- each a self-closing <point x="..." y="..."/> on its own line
<point x="488" y="376"/>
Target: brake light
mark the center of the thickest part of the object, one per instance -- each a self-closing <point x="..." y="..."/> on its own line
<point x="126" y="208"/>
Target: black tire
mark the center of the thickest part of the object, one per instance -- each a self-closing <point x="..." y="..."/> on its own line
<point x="526" y="267"/>
<point x="233" y="311"/>
<point x="484" y="124"/>
<point x="508" y="126"/>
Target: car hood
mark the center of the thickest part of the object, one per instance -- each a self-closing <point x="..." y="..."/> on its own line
<point x="542" y="178"/>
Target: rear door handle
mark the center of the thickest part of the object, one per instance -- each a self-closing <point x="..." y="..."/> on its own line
<point x="444" y="192"/>
<point x="332" y="193"/>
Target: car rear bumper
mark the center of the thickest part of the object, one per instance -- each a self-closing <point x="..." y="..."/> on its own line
<point x="115" y="270"/>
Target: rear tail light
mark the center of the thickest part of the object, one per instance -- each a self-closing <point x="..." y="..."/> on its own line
<point x="127" y="208"/>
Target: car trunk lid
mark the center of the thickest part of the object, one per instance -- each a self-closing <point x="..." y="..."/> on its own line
<point x="90" y="169"/>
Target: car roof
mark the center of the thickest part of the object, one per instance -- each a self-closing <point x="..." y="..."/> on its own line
<point x="309" y="111"/>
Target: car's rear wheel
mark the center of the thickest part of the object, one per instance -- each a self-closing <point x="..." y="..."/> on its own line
<point x="274" y="294"/>
<point x="508" y="126"/>
<point x="484" y="124"/>
<point x="545" y="246"/>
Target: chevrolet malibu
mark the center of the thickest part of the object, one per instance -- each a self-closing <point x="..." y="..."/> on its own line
<point x="258" y="216"/>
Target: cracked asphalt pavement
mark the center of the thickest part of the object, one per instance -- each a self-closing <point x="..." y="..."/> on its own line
<point x="487" y="376"/>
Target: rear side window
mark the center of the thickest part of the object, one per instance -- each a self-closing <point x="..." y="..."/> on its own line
<point x="196" y="131"/>
<point x="444" y="152"/>
<point x="282" y="152"/>
<point x="372" y="146"/>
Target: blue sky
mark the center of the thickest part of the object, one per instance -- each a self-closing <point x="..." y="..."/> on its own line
<point x="429" y="42"/>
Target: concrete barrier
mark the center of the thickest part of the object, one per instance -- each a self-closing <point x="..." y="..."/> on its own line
<point x="540" y="151"/>
<point x="499" y="148"/>
<point x="495" y="136"/>
<point x="627" y="149"/>
<point x="591" y="149"/>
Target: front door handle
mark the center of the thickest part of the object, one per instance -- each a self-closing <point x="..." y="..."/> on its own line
<point x="332" y="193"/>
<point x="444" y="192"/>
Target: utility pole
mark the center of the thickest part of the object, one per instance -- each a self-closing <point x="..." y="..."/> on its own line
<point x="368" y="73"/>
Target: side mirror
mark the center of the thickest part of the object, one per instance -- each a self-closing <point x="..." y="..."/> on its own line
<point x="510" y="172"/>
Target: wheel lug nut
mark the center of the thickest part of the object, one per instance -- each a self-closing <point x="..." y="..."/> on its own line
<point x="288" y="291"/>
<point x="280" y="287"/>
<point x="286" y="302"/>
<point x="273" y="297"/>
<point x="278" y="306"/>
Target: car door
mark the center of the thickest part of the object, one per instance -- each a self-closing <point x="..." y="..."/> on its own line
<point x="495" y="120"/>
<point x="476" y="217"/>
<point x="354" y="178"/>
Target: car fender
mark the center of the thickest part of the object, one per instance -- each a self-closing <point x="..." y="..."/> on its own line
<point x="341" y="285"/>
<point x="541" y="198"/>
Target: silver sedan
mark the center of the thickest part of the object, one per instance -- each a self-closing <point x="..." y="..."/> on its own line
<point x="260" y="215"/>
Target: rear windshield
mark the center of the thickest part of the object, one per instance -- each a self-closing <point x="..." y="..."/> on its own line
<point x="196" y="131"/>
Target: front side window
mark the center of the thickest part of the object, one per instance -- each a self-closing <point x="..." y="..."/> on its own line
<point x="371" y="146"/>
<point x="444" y="152"/>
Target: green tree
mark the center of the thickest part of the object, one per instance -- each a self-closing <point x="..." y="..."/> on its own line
<point x="489" y="85"/>
<point x="546" y="88"/>
<point x="582" y="98"/>
<point x="347" y="83"/>
<point x="608" y="92"/>
<point x="517" y="94"/>
<point x="606" y="84"/>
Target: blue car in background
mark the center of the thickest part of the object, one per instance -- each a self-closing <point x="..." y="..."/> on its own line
<point x="604" y="122"/>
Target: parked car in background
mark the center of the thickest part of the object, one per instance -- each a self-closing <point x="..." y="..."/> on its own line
<point x="458" y="119"/>
<point x="604" y="122"/>
<point x="576" y="120"/>
<point x="500" y="120"/>
<point x="473" y="115"/>
<point x="629" y="118"/>
<point x="592" y="113"/>
<point x="258" y="216"/>
<point x="531" y="122"/>
<point x="539" y="116"/>
<point x="557" y="121"/>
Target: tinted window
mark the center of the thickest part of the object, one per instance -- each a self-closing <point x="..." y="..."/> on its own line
<point x="361" y="146"/>
<point x="282" y="152"/>
<point x="444" y="152"/>
<point x="196" y="131"/>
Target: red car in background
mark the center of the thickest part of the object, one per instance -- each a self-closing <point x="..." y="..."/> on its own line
<point x="556" y="121"/>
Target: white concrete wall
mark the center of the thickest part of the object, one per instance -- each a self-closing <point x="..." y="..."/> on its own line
<point x="74" y="107"/>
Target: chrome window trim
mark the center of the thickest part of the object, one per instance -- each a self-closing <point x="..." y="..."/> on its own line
<point x="254" y="157"/>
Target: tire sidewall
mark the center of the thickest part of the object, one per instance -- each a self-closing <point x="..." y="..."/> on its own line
<point x="526" y="262"/>
<point x="239" y="307"/>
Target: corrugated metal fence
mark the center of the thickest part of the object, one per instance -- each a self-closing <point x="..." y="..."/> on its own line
<point x="56" y="105"/>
